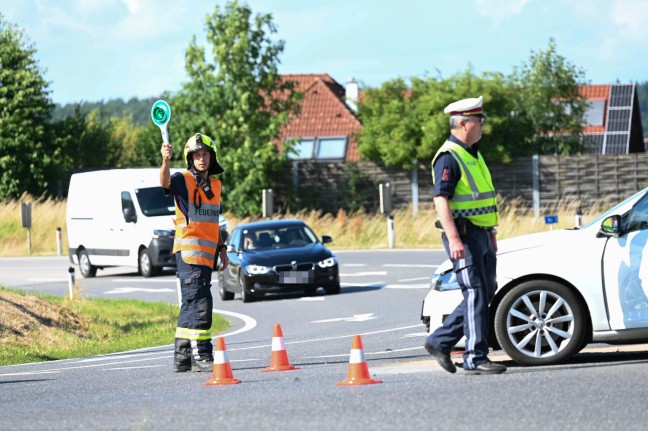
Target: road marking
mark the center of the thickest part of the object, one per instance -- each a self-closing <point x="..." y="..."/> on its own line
<point x="311" y="298"/>
<point x="407" y="265"/>
<point x="413" y="279"/>
<point x="363" y="274"/>
<point x="355" y="264"/>
<point x="249" y="322"/>
<point x="137" y="289"/>
<point x="354" y="318"/>
<point x="48" y="279"/>
<point x="143" y="280"/>
<point x="408" y="286"/>
<point x="416" y="334"/>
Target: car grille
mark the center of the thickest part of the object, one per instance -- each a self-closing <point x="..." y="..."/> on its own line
<point x="306" y="266"/>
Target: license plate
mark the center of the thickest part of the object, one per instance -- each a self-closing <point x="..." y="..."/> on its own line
<point x="296" y="277"/>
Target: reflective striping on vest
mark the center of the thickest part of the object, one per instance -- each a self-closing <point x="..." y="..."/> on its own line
<point x="193" y="334"/>
<point x="356" y="356"/>
<point x="474" y="195"/>
<point x="220" y="357"/>
<point x="278" y="344"/>
<point x="200" y="242"/>
<point x="475" y="211"/>
<point x="197" y="253"/>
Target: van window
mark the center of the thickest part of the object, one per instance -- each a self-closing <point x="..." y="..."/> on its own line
<point x="154" y="203"/>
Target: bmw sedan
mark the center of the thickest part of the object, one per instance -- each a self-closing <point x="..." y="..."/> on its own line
<point x="277" y="256"/>
<point x="559" y="290"/>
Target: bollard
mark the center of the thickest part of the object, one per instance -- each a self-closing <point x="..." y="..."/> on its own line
<point x="390" y="231"/>
<point x="71" y="281"/>
<point x="59" y="241"/>
<point x="579" y="218"/>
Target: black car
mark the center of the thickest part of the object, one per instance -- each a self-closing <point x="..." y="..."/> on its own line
<point x="276" y="257"/>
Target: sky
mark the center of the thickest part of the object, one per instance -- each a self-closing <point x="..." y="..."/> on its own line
<point x="93" y="50"/>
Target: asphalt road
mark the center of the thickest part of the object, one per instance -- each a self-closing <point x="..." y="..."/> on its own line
<point x="380" y="300"/>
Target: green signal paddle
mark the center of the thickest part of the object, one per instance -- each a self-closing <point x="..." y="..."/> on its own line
<point x="161" y="114"/>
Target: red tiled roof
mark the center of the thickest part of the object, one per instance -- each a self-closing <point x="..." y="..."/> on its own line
<point x="323" y="111"/>
<point x="596" y="92"/>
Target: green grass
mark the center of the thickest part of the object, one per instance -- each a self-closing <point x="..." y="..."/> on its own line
<point x="41" y="328"/>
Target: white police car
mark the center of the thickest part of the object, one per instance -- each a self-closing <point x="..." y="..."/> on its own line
<point x="559" y="290"/>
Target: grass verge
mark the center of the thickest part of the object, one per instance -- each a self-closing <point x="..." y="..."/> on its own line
<point x="36" y="328"/>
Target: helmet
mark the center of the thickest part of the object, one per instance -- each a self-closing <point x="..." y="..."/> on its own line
<point x="202" y="142"/>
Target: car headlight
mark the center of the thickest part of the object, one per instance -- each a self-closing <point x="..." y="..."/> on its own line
<point x="444" y="281"/>
<point x="326" y="263"/>
<point x="162" y="233"/>
<point x="257" y="269"/>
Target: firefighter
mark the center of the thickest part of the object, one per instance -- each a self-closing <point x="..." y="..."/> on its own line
<point x="465" y="201"/>
<point x="197" y="247"/>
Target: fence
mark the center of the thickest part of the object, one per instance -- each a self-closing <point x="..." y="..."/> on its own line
<point x="536" y="182"/>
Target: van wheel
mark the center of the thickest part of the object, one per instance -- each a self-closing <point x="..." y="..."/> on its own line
<point x="145" y="263"/>
<point x="86" y="269"/>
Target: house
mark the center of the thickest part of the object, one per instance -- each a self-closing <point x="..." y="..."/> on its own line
<point x="325" y="128"/>
<point x="613" y="121"/>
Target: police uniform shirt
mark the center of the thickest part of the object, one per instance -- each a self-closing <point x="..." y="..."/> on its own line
<point x="447" y="172"/>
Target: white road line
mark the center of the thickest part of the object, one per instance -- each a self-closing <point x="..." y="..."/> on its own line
<point x="137" y="289"/>
<point x="363" y="274"/>
<point x="408" y="286"/>
<point x="249" y="322"/>
<point x="407" y="265"/>
<point x="413" y="279"/>
<point x="355" y="264"/>
<point x="143" y="280"/>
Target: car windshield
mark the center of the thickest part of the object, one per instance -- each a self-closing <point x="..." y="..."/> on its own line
<point x="278" y="237"/>
<point x="153" y="202"/>
<point x="615" y="209"/>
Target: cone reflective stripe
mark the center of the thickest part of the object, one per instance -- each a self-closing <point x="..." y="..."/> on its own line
<point x="358" y="369"/>
<point x="279" y="356"/>
<point x="221" y="370"/>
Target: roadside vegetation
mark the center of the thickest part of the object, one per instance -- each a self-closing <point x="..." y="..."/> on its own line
<point x="36" y="328"/>
<point x="353" y="230"/>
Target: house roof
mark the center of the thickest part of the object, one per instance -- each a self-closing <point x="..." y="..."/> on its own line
<point x="596" y="92"/>
<point x="323" y="111"/>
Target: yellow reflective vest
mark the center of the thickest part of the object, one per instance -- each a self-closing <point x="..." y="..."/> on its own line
<point x="474" y="197"/>
<point x="197" y="234"/>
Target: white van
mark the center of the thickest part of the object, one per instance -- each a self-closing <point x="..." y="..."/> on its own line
<point x="121" y="217"/>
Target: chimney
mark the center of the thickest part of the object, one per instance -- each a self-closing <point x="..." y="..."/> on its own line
<point x="351" y="95"/>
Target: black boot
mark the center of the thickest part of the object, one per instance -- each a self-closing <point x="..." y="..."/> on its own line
<point x="182" y="356"/>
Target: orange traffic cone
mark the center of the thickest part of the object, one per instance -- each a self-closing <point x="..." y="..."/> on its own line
<point x="279" y="356"/>
<point x="221" y="371"/>
<point x="358" y="370"/>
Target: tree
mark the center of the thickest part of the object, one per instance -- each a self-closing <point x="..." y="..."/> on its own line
<point x="549" y="102"/>
<point x="24" y="111"/>
<point x="239" y="100"/>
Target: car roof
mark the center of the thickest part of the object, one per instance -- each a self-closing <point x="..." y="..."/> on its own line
<point x="271" y="224"/>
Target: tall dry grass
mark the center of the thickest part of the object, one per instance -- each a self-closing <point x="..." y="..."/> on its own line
<point x="46" y="215"/>
<point x="357" y="230"/>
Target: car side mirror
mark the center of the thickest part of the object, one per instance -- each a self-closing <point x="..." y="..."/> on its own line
<point x="129" y="215"/>
<point x="611" y="227"/>
<point x="326" y="239"/>
<point x="230" y="248"/>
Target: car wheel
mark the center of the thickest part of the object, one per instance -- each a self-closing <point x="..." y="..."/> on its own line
<point x="539" y="323"/>
<point x="224" y="294"/>
<point x="333" y="289"/>
<point x="145" y="264"/>
<point x="86" y="269"/>
<point x="245" y="295"/>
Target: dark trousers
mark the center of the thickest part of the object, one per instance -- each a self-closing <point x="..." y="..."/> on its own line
<point x="476" y="274"/>
<point x="195" y="310"/>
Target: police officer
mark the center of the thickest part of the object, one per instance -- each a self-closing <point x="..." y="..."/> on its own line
<point x="197" y="247"/>
<point x="465" y="201"/>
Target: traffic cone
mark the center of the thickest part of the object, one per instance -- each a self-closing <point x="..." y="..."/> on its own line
<point x="279" y="356"/>
<point x="358" y="369"/>
<point x="221" y="370"/>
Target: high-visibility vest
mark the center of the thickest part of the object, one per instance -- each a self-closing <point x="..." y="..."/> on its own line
<point x="474" y="197"/>
<point x="198" y="232"/>
<point x="180" y="223"/>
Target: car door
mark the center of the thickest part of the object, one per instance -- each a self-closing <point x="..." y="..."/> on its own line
<point x="625" y="271"/>
<point x="230" y="275"/>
